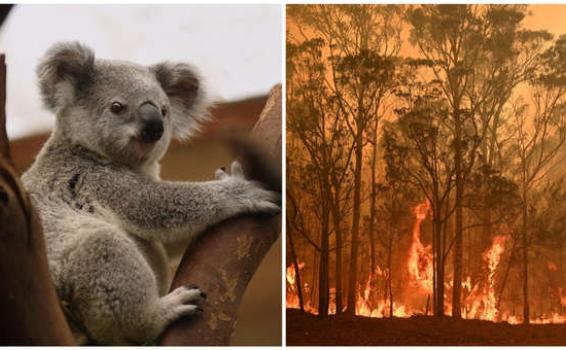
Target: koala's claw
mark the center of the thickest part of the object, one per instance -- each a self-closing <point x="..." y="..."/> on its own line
<point x="189" y="294"/>
<point x="249" y="196"/>
<point x="268" y="207"/>
<point x="237" y="170"/>
<point x="220" y="174"/>
<point x="184" y="301"/>
<point x="188" y="310"/>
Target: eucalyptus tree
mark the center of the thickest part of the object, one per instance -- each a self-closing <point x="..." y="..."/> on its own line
<point x="361" y="45"/>
<point x="479" y="54"/>
<point x="539" y="138"/>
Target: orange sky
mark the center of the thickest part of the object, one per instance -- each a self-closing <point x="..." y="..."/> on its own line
<point x="549" y="17"/>
<point x="543" y="17"/>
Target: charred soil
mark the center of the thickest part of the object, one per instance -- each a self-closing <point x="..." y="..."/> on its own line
<point x="307" y="329"/>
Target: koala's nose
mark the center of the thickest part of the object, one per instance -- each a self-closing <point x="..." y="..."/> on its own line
<point x="151" y="123"/>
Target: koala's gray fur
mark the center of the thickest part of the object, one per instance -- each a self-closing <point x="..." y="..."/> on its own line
<point x="104" y="210"/>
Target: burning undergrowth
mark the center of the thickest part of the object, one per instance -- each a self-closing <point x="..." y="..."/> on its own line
<point x="483" y="293"/>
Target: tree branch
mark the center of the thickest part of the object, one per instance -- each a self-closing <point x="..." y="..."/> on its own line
<point x="223" y="260"/>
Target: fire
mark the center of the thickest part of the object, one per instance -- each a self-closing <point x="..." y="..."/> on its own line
<point x="467" y="284"/>
<point x="482" y="302"/>
<point x="420" y="257"/>
<point x="291" y="273"/>
<point x="292" y="295"/>
<point x="480" y="297"/>
<point x="493" y="257"/>
<point x="553" y="318"/>
<point x="370" y="307"/>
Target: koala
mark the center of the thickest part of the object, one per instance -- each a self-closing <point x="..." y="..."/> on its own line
<point x="104" y="210"/>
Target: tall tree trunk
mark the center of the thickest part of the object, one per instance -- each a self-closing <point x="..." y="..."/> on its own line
<point x="296" y="267"/>
<point x="353" y="276"/>
<point x="390" y="270"/>
<point x="373" y="204"/>
<point x="438" y="261"/>
<point x="458" y="246"/>
<point x="439" y="272"/>
<point x="323" y="287"/>
<point x="525" y="251"/>
<point x="434" y="264"/>
<point x="336" y="219"/>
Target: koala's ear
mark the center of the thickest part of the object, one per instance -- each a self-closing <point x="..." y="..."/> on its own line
<point x="186" y="94"/>
<point x="63" y="68"/>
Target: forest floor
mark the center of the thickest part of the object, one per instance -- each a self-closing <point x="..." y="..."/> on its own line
<point x="307" y="329"/>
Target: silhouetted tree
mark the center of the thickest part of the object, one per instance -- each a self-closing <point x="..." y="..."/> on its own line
<point x="540" y="133"/>
<point x="362" y="42"/>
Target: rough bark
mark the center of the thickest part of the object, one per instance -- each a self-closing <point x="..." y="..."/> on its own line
<point x="224" y="259"/>
<point x="31" y="313"/>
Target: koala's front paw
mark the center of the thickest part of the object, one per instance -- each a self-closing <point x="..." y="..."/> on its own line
<point x="186" y="300"/>
<point x="247" y="196"/>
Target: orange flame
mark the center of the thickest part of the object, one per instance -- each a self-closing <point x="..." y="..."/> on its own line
<point x="292" y="295"/>
<point x="480" y="303"/>
<point x="420" y="257"/>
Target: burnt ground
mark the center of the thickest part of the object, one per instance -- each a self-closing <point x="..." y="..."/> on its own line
<point x="307" y="329"/>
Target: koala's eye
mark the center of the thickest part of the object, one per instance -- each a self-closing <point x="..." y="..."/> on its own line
<point x="117" y="107"/>
<point x="164" y="111"/>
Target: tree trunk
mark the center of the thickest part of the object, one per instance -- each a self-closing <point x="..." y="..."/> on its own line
<point x="525" y="256"/>
<point x="353" y="276"/>
<point x="336" y="217"/>
<point x="296" y="267"/>
<point x="31" y="313"/>
<point x="458" y="247"/>
<point x="390" y="270"/>
<point x="323" y="287"/>
<point x="438" y="256"/>
<point x="373" y="204"/>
